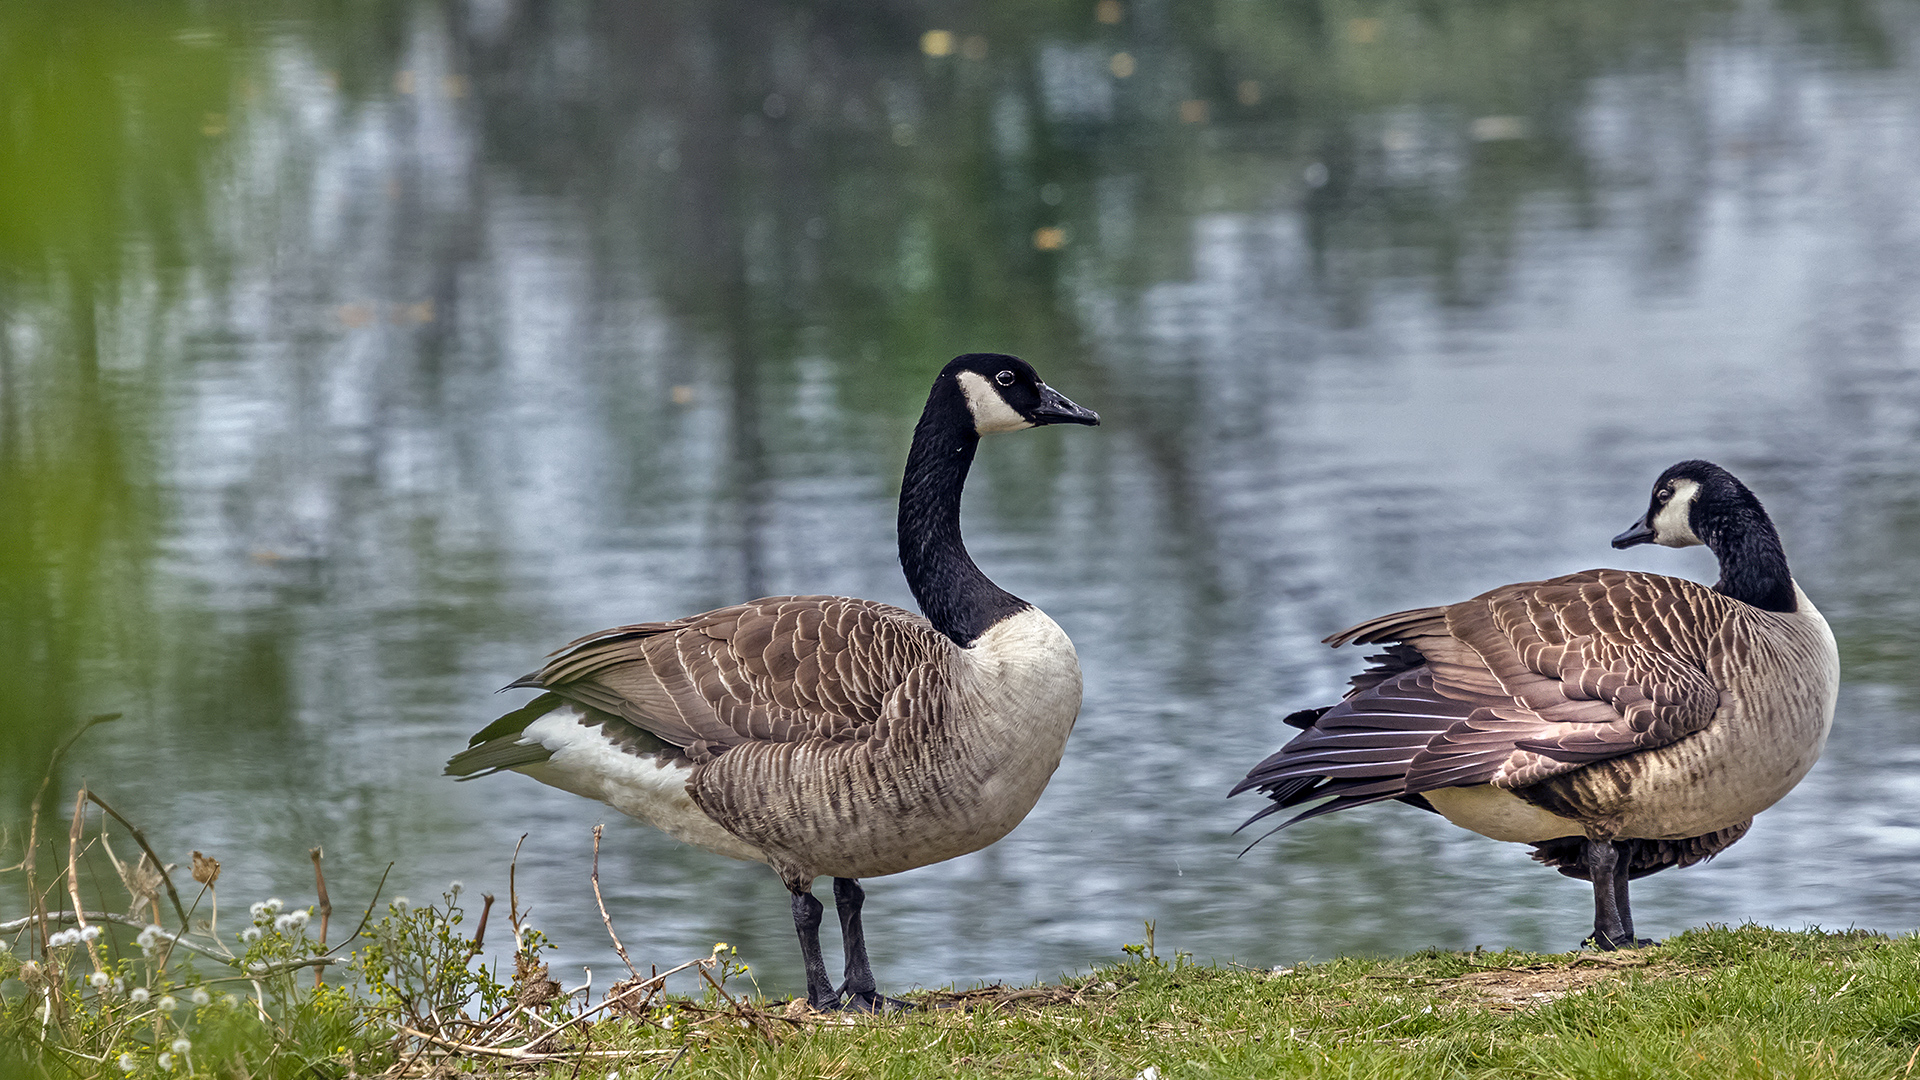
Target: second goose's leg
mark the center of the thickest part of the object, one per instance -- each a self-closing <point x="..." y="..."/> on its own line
<point x="806" y="922"/>
<point x="860" y="991"/>
<point x="1620" y="895"/>
<point x="1611" y="928"/>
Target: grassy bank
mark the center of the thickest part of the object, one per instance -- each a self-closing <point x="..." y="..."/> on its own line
<point x="1748" y="1002"/>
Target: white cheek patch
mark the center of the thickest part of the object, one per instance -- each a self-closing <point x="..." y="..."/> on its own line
<point x="1671" y="527"/>
<point x="991" y="413"/>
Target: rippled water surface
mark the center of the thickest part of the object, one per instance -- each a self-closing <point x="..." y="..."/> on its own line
<point x="354" y="357"/>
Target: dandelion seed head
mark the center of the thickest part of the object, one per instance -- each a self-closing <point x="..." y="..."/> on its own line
<point x="250" y="935"/>
<point x="273" y="905"/>
<point x="181" y="1046"/>
<point x="456" y="886"/>
<point x="140" y="995"/>
<point x="402" y="903"/>
<point x="200" y="996"/>
<point x="148" y="938"/>
<point x="91" y="933"/>
<point x="166" y="1061"/>
<point x="166" y="1004"/>
<point x="99" y="980"/>
<point x="127" y="1064"/>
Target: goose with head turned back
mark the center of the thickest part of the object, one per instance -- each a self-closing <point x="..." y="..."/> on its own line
<point x="1619" y="722"/>
<point x="824" y="735"/>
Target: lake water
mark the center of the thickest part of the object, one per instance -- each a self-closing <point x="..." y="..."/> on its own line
<point x="355" y="357"/>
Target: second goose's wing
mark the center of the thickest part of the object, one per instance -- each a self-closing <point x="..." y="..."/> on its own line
<point x="1509" y="688"/>
<point x="780" y="669"/>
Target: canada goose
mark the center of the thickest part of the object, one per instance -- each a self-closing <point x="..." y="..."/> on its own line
<point x="1619" y="722"/>
<point x="824" y="735"/>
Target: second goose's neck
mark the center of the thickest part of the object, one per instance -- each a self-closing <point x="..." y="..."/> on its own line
<point x="960" y="600"/>
<point x="1753" y="565"/>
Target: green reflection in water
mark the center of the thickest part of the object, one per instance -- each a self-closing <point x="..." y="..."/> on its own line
<point x="112" y="113"/>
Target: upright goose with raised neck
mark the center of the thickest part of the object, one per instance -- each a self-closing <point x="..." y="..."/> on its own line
<point x="1619" y="722"/>
<point x="824" y="735"/>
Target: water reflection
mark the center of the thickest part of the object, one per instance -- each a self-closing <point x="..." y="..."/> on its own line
<point x="354" y="362"/>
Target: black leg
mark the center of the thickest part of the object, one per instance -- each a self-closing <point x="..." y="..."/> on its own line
<point x="1603" y="867"/>
<point x="1625" y="864"/>
<point x="806" y="922"/>
<point x="860" y="991"/>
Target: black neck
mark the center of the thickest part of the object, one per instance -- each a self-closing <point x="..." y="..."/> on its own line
<point x="1753" y="565"/>
<point x="956" y="597"/>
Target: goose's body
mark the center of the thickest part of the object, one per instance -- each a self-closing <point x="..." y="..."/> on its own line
<point x="826" y="735"/>
<point x="1620" y="722"/>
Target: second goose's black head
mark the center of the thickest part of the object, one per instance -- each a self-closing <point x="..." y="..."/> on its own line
<point x="1698" y="502"/>
<point x="1004" y="393"/>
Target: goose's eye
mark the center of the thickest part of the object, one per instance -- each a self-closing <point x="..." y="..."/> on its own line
<point x="1005" y="378"/>
<point x="1663" y="495"/>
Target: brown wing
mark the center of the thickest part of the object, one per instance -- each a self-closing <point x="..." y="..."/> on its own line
<point x="1567" y="672"/>
<point x="1511" y="687"/>
<point x="779" y="669"/>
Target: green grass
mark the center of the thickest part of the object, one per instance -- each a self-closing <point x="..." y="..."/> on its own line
<point x="1748" y="1002"/>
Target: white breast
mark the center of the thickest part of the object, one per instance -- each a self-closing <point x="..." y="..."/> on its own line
<point x="1019" y="691"/>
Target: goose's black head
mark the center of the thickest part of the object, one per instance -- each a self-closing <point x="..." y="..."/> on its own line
<point x="1698" y="502"/>
<point x="1004" y="393"/>
<point x="1691" y="503"/>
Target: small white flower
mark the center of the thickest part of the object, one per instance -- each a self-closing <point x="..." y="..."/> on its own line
<point x="181" y="1046"/>
<point x="200" y="996"/>
<point x="149" y="937"/>
<point x="139" y="995"/>
<point x="59" y="940"/>
<point x="166" y="1061"/>
<point x="99" y="980"/>
<point x="166" y="1003"/>
<point x="272" y="906"/>
<point x="257" y="908"/>
<point x="299" y="916"/>
<point x="250" y="935"/>
<point x="90" y="933"/>
<point x="127" y="1064"/>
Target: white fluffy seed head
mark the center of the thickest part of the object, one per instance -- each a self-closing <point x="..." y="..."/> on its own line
<point x="98" y="980"/>
<point x="166" y="1003"/>
<point x="181" y="1046"/>
<point x="91" y="933"/>
<point x="127" y="1064"/>
<point x="200" y="996"/>
<point x="165" y="1061"/>
<point x="273" y="905"/>
<point x="140" y="995"/>
<point x="250" y="935"/>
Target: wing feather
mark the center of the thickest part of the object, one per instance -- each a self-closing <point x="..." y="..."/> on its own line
<point x="780" y="669"/>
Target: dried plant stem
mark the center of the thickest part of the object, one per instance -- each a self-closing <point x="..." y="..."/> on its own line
<point x="33" y="822"/>
<point x="326" y="905"/>
<point x="604" y="917"/>
<point x="73" y="873"/>
<point x="141" y="839"/>
<point x="516" y="1053"/>
<point x="480" y="932"/>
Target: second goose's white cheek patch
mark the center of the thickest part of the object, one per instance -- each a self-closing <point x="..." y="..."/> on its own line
<point x="991" y="413"/>
<point x="1672" y="527"/>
